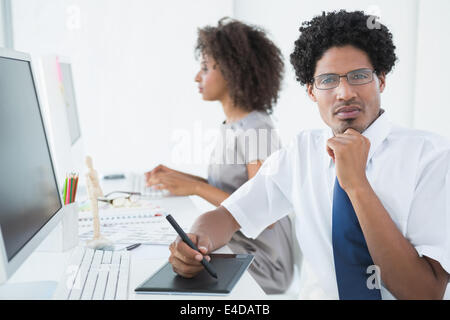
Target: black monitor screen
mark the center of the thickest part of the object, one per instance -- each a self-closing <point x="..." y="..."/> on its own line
<point x="28" y="190"/>
<point x="71" y="103"/>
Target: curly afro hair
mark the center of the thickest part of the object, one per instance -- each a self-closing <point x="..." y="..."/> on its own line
<point x="337" y="29"/>
<point x="251" y="64"/>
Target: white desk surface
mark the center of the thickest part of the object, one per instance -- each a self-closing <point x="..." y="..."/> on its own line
<point x="145" y="260"/>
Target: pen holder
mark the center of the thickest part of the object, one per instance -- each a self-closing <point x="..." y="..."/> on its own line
<point x="65" y="234"/>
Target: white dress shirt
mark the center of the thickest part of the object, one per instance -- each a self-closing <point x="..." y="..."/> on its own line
<point x="409" y="170"/>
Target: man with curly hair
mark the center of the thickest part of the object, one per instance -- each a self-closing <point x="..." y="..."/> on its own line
<point x="372" y="199"/>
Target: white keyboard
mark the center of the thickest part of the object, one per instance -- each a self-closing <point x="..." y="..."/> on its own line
<point x="139" y="184"/>
<point x="95" y="275"/>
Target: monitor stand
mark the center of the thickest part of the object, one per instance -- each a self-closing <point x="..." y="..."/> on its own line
<point x="38" y="290"/>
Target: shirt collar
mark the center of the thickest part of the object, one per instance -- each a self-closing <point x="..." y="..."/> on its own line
<point x="377" y="132"/>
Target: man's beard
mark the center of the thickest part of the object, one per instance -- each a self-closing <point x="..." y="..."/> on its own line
<point x="346" y="124"/>
<point x="350" y="123"/>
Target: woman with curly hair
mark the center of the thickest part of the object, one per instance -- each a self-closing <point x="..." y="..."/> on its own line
<point x="242" y="69"/>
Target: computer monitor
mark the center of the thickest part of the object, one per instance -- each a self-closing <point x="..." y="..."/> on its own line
<point x="61" y="114"/>
<point x="30" y="200"/>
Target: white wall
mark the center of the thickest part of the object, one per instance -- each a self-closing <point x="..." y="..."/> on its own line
<point x="134" y="69"/>
<point x="2" y="27"/>
<point x="432" y="103"/>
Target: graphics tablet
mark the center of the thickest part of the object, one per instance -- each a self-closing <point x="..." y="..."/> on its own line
<point x="229" y="267"/>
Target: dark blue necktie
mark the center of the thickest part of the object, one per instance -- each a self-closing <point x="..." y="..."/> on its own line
<point x="351" y="255"/>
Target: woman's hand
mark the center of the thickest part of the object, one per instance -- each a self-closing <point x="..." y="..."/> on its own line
<point x="160" y="169"/>
<point x="176" y="182"/>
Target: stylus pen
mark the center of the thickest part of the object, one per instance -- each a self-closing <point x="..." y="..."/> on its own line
<point x="133" y="246"/>
<point x="188" y="241"/>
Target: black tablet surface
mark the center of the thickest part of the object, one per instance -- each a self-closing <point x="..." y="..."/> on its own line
<point x="229" y="267"/>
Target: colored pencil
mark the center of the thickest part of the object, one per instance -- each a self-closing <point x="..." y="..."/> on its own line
<point x="75" y="189"/>
<point x="71" y="189"/>
<point x="65" y="190"/>
<point x="67" y="193"/>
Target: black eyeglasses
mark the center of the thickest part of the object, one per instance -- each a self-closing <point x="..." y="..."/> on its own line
<point x="355" y="78"/>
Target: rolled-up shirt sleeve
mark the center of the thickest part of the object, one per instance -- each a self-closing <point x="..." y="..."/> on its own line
<point x="428" y="227"/>
<point x="260" y="201"/>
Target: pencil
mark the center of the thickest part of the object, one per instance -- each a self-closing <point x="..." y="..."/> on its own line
<point x="68" y="191"/>
<point x="71" y="189"/>
<point x="75" y="189"/>
<point x="65" y="190"/>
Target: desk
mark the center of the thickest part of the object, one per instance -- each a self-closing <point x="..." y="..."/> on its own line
<point x="146" y="259"/>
